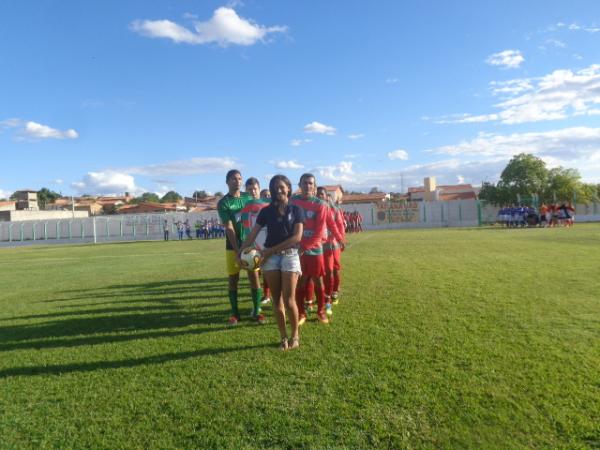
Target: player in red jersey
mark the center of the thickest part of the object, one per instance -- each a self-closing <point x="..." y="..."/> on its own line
<point x="338" y="249"/>
<point x="334" y="239"/>
<point x="311" y="245"/>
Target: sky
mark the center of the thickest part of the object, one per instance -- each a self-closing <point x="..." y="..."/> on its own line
<point x="107" y="97"/>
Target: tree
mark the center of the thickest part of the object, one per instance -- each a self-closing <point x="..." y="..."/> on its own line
<point x="45" y="196"/>
<point x="149" y="197"/>
<point x="170" y="197"/>
<point x="565" y="185"/>
<point x="523" y="176"/>
<point x="199" y="195"/>
<point x="374" y="190"/>
<point x="218" y="194"/>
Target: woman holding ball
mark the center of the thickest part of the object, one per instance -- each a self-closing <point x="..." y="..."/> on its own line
<point x="280" y="262"/>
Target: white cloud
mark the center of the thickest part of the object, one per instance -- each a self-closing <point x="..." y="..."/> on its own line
<point x="319" y="128"/>
<point x="193" y="166"/>
<point x="225" y="27"/>
<point x="5" y="194"/>
<point x="299" y="142"/>
<point x="556" y="43"/>
<point x="58" y="181"/>
<point x="558" y="95"/>
<point x="36" y="130"/>
<point x="356" y="136"/>
<point x="341" y="172"/>
<point x="288" y="165"/>
<point x="392" y="80"/>
<point x="398" y="154"/>
<point x="460" y="179"/>
<point x="33" y="131"/>
<point x="568" y="142"/>
<point x="510" y="59"/>
<point x="107" y="182"/>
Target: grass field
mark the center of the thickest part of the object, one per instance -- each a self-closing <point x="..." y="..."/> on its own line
<point x="444" y="338"/>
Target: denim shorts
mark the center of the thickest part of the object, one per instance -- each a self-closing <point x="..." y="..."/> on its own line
<point x="285" y="261"/>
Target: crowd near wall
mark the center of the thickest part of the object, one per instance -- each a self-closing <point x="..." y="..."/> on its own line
<point x="458" y="213"/>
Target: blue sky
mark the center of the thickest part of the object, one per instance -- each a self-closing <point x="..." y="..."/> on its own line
<point x="107" y="97"/>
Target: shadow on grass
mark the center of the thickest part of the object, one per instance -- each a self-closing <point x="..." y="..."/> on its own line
<point x="122" y="321"/>
<point x="61" y="369"/>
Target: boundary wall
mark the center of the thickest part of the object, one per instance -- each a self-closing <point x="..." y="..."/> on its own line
<point x="115" y="228"/>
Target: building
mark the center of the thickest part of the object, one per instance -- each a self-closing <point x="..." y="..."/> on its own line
<point x="149" y="208"/>
<point x="334" y="191"/>
<point x="430" y="191"/>
<point x="7" y="206"/>
<point x="26" y="200"/>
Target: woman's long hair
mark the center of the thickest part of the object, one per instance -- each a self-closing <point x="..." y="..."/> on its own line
<point x="273" y="186"/>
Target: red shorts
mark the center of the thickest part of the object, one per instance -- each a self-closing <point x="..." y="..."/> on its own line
<point x="312" y="265"/>
<point x="337" y="259"/>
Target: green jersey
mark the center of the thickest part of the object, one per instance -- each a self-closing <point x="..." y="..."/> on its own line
<point x="230" y="208"/>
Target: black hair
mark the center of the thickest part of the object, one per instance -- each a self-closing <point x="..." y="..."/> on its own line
<point x="250" y="181"/>
<point x="231" y="173"/>
<point x="273" y="188"/>
<point x="307" y="175"/>
<point x="322" y="188"/>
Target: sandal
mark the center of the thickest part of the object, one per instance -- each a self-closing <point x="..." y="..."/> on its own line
<point x="283" y="345"/>
<point x="294" y="343"/>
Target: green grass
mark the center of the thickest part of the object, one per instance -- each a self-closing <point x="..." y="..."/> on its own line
<point x="443" y="339"/>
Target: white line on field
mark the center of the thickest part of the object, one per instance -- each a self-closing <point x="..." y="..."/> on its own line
<point x="368" y="236"/>
<point x="134" y="255"/>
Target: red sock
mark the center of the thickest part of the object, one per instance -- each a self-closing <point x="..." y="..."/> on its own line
<point x="320" y="299"/>
<point x="310" y="290"/>
<point x="300" y="292"/>
<point x="336" y="282"/>
<point x="328" y="283"/>
<point x="266" y="289"/>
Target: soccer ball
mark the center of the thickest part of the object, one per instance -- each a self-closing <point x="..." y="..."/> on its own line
<point x="250" y="258"/>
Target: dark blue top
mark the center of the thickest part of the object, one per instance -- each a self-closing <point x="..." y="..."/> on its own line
<point x="279" y="227"/>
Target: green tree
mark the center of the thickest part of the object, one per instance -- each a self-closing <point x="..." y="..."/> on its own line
<point x="45" y="196"/>
<point x="149" y="197"/>
<point x="565" y="185"/>
<point x="170" y="197"/>
<point x="199" y="195"/>
<point x="523" y="176"/>
<point x="218" y="194"/>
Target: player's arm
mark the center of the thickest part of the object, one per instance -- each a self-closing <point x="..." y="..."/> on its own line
<point x="231" y="237"/>
<point x="251" y="237"/>
<point x="333" y="227"/>
<point x="289" y="242"/>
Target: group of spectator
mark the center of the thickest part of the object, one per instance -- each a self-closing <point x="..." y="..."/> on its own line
<point x="353" y="221"/>
<point x="551" y="215"/>
<point x="207" y="229"/>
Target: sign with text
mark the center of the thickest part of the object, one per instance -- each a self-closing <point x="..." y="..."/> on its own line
<point x="397" y="212"/>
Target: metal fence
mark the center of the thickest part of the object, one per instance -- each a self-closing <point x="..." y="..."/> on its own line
<point x="458" y="213"/>
<point x="100" y="228"/>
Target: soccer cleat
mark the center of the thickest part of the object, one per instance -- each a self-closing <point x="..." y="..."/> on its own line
<point x="323" y="318"/>
<point x="265" y="301"/>
<point x="328" y="309"/>
<point x="335" y="297"/>
<point x="301" y="320"/>
<point x="260" y="319"/>
<point x="233" y="321"/>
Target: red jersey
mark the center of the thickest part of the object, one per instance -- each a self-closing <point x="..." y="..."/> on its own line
<point x="335" y="232"/>
<point x="315" y="212"/>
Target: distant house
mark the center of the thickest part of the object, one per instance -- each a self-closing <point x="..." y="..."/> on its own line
<point x="150" y="207"/>
<point x="354" y="199"/>
<point x="7" y="206"/>
<point x="430" y="191"/>
<point x="334" y="191"/>
<point x="202" y="204"/>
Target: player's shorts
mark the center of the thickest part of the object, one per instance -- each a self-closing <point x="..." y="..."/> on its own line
<point x="312" y="265"/>
<point x="231" y="264"/>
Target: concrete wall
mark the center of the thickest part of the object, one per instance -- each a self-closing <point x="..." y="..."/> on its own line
<point x="19" y="216"/>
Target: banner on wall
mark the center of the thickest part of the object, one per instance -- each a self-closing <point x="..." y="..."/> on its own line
<point x="397" y="212"/>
